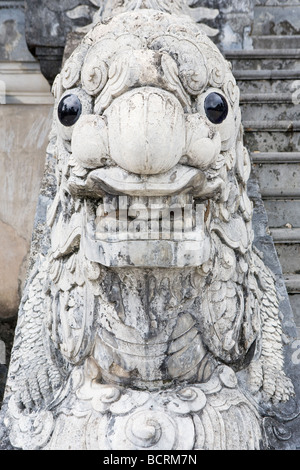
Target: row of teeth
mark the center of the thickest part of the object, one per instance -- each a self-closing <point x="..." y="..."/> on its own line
<point x="162" y="218"/>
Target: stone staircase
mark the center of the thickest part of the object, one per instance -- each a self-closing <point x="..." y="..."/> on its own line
<point x="269" y="80"/>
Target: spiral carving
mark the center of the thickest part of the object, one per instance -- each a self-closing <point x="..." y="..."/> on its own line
<point x="232" y="91"/>
<point x="57" y="89"/>
<point x="71" y="71"/>
<point x="187" y="394"/>
<point x="144" y="431"/>
<point x="193" y="78"/>
<point x="149" y="429"/>
<point x="110" y="394"/>
<point x="217" y="72"/>
<point x="94" y="75"/>
<point x="188" y="400"/>
<point x="31" y="431"/>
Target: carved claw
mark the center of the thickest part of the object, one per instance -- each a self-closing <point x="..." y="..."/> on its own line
<point x="273" y="383"/>
<point x="37" y="385"/>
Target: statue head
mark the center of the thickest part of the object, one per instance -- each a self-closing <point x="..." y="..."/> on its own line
<point x="147" y="109"/>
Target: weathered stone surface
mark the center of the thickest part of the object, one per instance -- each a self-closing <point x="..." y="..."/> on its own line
<point x="276" y="180"/>
<point x="13" y="254"/>
<point x="24" y="136"/>
<point x="234" y="23"/>
<point x="7" y="330"/>
<point x="280" y="106"/>
<point x="21" y="81"/>
<point x="282" y="424"/>
<point x="120" y="349"/>
<point x="295" y="304"/>
<point x="280" y="136"/>
<point x="47" y="26"/>
<point x="283" y="212"/>
<point x="13" y="46"/>
<point x="277" y="20"/>
<point x="3" y="369"/>
<point x="50" y="22"/>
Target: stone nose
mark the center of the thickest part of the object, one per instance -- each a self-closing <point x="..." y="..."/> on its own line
<point x="146" y="131"/>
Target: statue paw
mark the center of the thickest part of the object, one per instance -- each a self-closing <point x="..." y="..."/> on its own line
<point x="37" y="386"/>
<point x="273" y="383"/>
<point x="277" y="386"/>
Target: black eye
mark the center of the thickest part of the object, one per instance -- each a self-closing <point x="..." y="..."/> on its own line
<point x="216" y="108"/>
<point x="69" y="110"/>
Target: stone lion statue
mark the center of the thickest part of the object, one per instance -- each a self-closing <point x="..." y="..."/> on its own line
<point x="152" y="322"/>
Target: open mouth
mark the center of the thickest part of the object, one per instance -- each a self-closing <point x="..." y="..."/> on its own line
<point x="130" y="220"/>
<point x="122" y="231"/>
<point x="145" y="220"/>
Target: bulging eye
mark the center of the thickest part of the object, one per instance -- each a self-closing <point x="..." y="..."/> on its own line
<point x="216" y="108"/>
<point x="69" y="110"/>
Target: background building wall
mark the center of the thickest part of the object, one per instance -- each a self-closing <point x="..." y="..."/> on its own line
<point x="25" y="119"/>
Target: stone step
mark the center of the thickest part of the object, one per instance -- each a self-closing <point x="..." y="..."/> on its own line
<point x="269" y="81"/>
<point x="272" y="136"/>
<point x="295" y="304"/>
<point x="276" y="42"/>
<point x="269" y="106"/>
<point x="283" y="212"/>
<point x="286" y="235"/>
<point x="264" y="59"/>
<point x="278" y="176"/>
<point x="292" y="282"/>
<point x="287" y="243"/>
<point x="275" y="157"/>
<point x="278" y="181"/>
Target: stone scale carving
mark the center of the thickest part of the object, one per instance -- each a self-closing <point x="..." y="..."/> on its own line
<point x="152" y="322"/>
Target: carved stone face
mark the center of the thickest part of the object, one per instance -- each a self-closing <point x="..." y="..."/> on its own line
<point x="150" y="115"/>
<point x="147" y="125"/>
